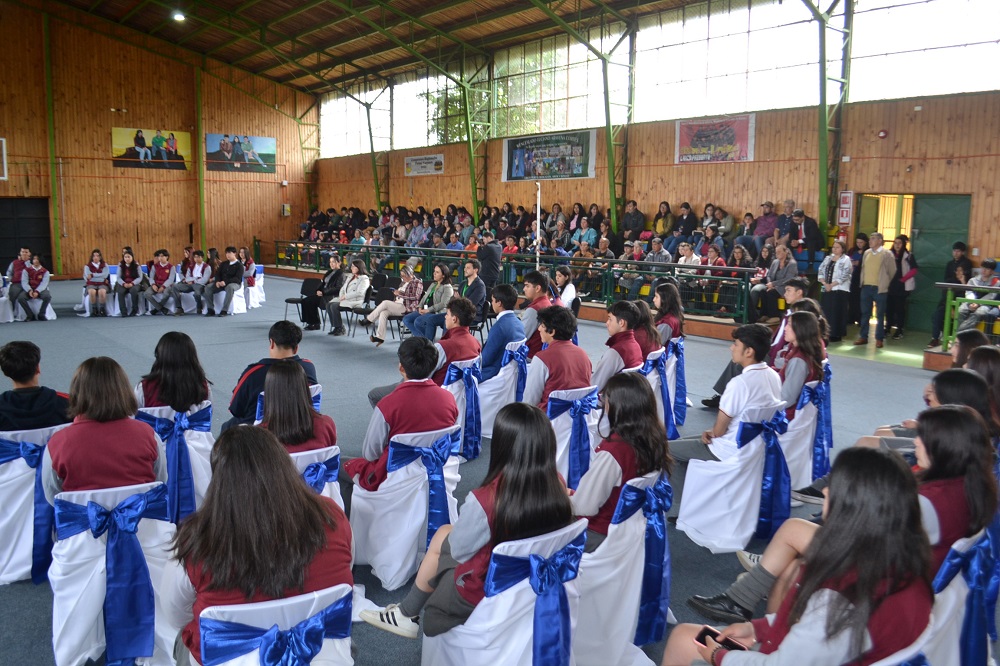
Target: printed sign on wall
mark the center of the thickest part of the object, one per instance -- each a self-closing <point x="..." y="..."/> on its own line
<point x="240" y="152"/>
<point x="728" y="139"/>
<point x="550" y="156"/>
<point x="150" y="148"/>
<point x="424" y="165"/>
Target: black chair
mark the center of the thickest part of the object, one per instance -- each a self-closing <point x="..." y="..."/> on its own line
<point x="575" y="306"/>
<point x="309" y="287"/>
<point x="393" y="281"/>
<point x="378" y="281"/>
<point x="355" y="314"/>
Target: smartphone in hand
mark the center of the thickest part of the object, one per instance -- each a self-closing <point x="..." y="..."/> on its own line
<point x="728" y="643"/>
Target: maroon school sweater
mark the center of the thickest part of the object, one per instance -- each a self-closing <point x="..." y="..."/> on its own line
<point x="90" y="455"/>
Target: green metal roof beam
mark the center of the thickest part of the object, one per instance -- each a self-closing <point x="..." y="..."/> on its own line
<point x="416" y="20"/>
<point x="132" y="12"/>
<point x="284" y="39"/>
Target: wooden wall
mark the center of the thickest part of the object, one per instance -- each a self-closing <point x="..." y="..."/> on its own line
<point x="95" y="69"/>
<point x="345" y="182"/>
<point x="453" y="186"/>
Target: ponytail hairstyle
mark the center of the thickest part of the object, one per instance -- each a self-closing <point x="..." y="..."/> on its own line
<point x="645" y="321"/>
<point x="629" y="402"/>
<point x="808" y="338"/>
<point x="670" y="304"/>
<point x="810" y="305"/>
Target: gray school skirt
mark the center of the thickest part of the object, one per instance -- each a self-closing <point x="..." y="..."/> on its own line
<point x="446" y="608"/>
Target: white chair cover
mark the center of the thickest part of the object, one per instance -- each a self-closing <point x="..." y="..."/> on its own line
<point x="17" y="497"/>
<point x="238" y="306"/>
<point x="6" y="311"/>
<point x="467" y="412"/>
<point x="35" y="304"/>
<point x="563" y="427"/>
<point x="390" y="524"/>
<point x="499" y="391"/>
<point x="315" y="391"/>
<point x="78" y="577"/>
<point x="286" y="614"/>
<point x="610" y="584"/>
<point x="188" y="303"/>
<point x="307" y="458"/>
<point x="721" y="499"/>
<point x="653" y="377"/>
<point x="500" y="630"/>
<point x="797" y="442"/>
<point x="255" y="294"/>
<point x="199" y="446"/>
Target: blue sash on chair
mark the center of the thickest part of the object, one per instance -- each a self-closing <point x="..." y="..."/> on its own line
<point x="654" y="602"/>
<point x="318" y="474"/>
<point x="129" y="610"/>
<point x="680" y="393"/>
<point x="224" y="641"/>
<point x="434" y="457"/>
<point x="521" y="358"/>
<point x="41" y="547"/>
<point x="180" y="480"/>
<point x="776" y="485"/>
<point x="552" y="637"/>
<point x="823" y="439"/>
<point x="472" y="431"/>
<point x="976" y="567"/>
<point x="317" y="401"/>
<point x="579" y="440"/>
<point x="660" y="366"/>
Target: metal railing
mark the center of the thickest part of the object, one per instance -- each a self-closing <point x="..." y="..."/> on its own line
<point x="952" y="312"/>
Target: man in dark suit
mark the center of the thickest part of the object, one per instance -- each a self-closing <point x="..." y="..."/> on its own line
<point x="489" y="258"/>
<point x="507" y="328"/>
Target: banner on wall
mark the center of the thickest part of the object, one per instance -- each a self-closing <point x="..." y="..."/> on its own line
<point x="136" y="148"/>
<point x="240" y="153"/>
<point x="550" y="156"/>
<point x="728" y="139"/>
<point x="424" y="165"/>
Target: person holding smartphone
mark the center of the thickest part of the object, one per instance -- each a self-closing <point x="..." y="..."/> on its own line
<point x="863" y="592"/>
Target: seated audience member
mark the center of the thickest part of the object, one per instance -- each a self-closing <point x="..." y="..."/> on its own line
<point x="352" y="295"/>
<point x="506" y="329"/>
<point x="457" y="343"/>
<point x="129" y="283"/>
<point x="329" y="288"/>
<point x="562" y="287"/>
<point x="161" y="279"/>
<point x="286" y="543"/>
<point x="105" y="447"/>
<point x="636" y="444"/>
<point x="669" y="315"/>
<point x="176" y="379"/>
<point x="196" y="276"/>
<point x="289" y="411"/>
<point x="624" y="352"/>
<point x="283" y="343"/>
<point x="646" y="334"/>
<point x="783" y="269"/>
<point x="249" y="268"/>
<point x="965" y="341"/>
<point x="29" y="405"/>
<point x="756" y="387"/>
<point x="14" y="272"/>
<point x="561" y="366"/>
<point x="34" y="287"/>
<point x="472" y="288"/>
<point x="416" y="404"/>
<point x="229" y="278"/>
<point x="863" y="592"/>
<point x="406" y="301"/>
<point x="97" y="281"/>
<point x="985" y="286"/>
<point x="430" y="313"/>
<point x="803" y="360"/>
<point x="536" y="291"/>
<point x="522" y="496"/>
<point x="656" y="255"/>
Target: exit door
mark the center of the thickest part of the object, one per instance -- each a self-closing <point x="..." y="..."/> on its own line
<point x="938" y="221"/>
<point x="24" y="223"/>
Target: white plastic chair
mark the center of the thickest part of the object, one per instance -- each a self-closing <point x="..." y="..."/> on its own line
<point x="22" y="500"/>
<point x="611" y="586"/>
<point x="236" y="635"/>
<point x="503" y="388"/>
<point x="81" y="568"/>
<point x="573" y="455"/>
<point x="315" y="391"/>
<point x="391" y="523"/>
<point x="321" y="467"/>
<point x="500" y="631"/>
<point x="462" y="381"/>
<point x="720" y="505"/>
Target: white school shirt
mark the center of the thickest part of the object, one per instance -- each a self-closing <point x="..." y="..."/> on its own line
<point x="758" y="386"/>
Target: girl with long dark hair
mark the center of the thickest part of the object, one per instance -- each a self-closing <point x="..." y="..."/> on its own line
<point x="176" y="379"/>
<point x="261" y="534"/>
<point x="129" y="282"/>
<point x="646" y="334"/>
<point x="289" y="411"/>
<point x="522" y="496"/>
<point x="669" y="316"/>
<point x="856" y="254"/>
<point x="804" y="356"/>
<point x="636" y="444"/>
<point x="863" y="589"/>
<point x="965" y="342"/>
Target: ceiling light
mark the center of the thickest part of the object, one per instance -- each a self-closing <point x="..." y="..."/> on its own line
<point x="179" y="16"/>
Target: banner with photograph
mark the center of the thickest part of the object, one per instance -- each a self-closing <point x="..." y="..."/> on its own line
<point x="728" y="139"/>
<point x="240" y="152"/>
<point x="150" y="148"/>
<point x="424" y="165"/>
<point x="550" y="156"/>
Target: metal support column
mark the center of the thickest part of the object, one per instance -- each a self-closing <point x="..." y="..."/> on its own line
<point x="50" y="126"/>
<point x="380" y="165"/>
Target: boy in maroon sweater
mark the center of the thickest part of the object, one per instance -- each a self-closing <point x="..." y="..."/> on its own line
<point x="624" y="352"/>
<point x="457" y="343"/>
<point x="536" y="290"/>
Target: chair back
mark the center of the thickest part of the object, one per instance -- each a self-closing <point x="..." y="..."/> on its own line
<point x="797" y="441"/>
<point x="502" y="389"/>
<point x="310" y="286"/>
<point x="576" y="430"/>
<point x="575" y="306"/>
<point x="462" y="381"/>
<point x="309" y="464"/>
<point x="378" y="280"/>
<point x="315" y="391"/>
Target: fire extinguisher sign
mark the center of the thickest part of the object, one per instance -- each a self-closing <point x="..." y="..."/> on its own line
<point x="846" y="211"/>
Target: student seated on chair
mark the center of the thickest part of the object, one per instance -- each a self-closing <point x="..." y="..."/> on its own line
<point x="229" y="278"/>
<point x="506" y="329"/>
<point x="522" y="496"/>
<point x="536" y="291"/>
<point x="863" y="592"/>
<point x="105" y="447"/>
<point x="669" y="316"/>
<point x="647" y="336"/>
<point x="289" y="411"/>
<point x="623" y="351"/>
<point x="193" y="281"/>
<point x="29" y="406"/>
<point x="635" y="445"/>
<point x="34" y="286"/>
<point x="176" y="379"/>
<point x="14" y="273"/>
<point x="161" y="280"/>
<point x="756" y="387"/>
<point x="457" y="343"/>
<point x="283" y="343"/>
<point x="129" y="283"/>
<point x="804" y="357"/>
<point x="472" y="288"/>
<point x="97" y="282"/>
<point x="562" y="366"/>
<point x="288" y="539"/>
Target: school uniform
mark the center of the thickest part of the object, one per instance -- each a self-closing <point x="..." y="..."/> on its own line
<point x="529" y="319"/>
<point x="506" y="329"/>
<point x="646" y="345"/>
<point x="944" y="513"/>
<point x="669" y="327"/>
<point x="129" y="282"/>
<point x="457" y="344"/>
<point x="243" y="405"/>
<point x="14" y="272"/>
<point x="561" y="366"/>
<point x="196" y="277"/>
<point x="37" y="280"/>
<point x="795" y="373"/>
<point x="614" y="464"/>
<point x="324" y="435"/>
<point x="231" y="274"/>
<point x="147" y="393"/>
<point x="162" y="276"/>
<point x="623" y="353"/>
<point x="32" y="408"/>
<point x="96" y="276"/>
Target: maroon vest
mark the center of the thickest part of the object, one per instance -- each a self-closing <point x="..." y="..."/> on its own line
<point x="624" y="455"/>
<point x="952" y="509"/>
<point x="97" y="269"/>
<point x="535" y="339"/>
<point x="90" y="455"/>
<point x="131" y="273"/>
<point x="458" y="345"/>
<point x="624" y="343"/>
<point x="470" y="576"/>
<point x="19" y="267"/>
<point x="569" y="368"/>
<point x="791" y="352"/>
<point x="161" y="273"/>
<point x="646" y="344"/>
<point x="35" y="276"/>
<point x="673" y="322"/>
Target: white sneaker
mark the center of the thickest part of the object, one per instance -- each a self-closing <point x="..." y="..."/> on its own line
<point x="391" y="620"/>
<point x="748" y="560"/>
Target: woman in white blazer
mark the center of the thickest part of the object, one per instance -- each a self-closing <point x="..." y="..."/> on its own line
<point x="352" y="295"/>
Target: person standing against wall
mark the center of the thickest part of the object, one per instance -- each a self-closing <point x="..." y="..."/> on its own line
<point x="877" y="269"/>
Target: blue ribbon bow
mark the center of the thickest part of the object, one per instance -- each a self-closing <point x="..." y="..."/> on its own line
<point x="180" y="479"/>
<point x="472" y="431"/>
<point x="128" y="602"/>
<point x="521" y="358"/>
<point x="224" y="641"/>
<point x="776" y="485"/>
<point x="993" y="585"/>
<point x="41" y="545"/>
<point x="579" y="439"/>
<point x="654" y="602"/>
<point x="823" y="438"/>
<point x="680" y="392"/>
<point x="317" y="400"/>
<point x="318" y="474"/>
<point x="660" y="365"/>
<point x="551" y="622"/>
<point x="976" y="566"/>
<point x="434" y="457"/>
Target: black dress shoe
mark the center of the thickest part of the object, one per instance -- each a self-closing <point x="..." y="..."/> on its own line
<point x="719" y="608"/>
<point x="713" y="402"/>
<point x="312" y="327"/>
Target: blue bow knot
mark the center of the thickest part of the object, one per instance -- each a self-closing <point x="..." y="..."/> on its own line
<point x="434" y="458"/>
<point x="579" y="440"/>
<point x="43" y="516"/>
<point x="520" y="356"/>
<point x="776" y="484"/>
<point x="680" y="391"/>
<point x="318" y="474"/>
<point x="976" y="567"/>
<point x="823" y="438"/>
<point x="660" y="366"/>
<point x="180" y="479"/>
<point x="472" y="431"/>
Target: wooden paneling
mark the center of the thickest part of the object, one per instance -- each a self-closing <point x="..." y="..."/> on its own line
<point x="453" y="186"/>
<point x="345" y="182"/>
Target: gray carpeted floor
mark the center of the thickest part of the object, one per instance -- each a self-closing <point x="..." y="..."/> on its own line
<point x="865" y="394"/>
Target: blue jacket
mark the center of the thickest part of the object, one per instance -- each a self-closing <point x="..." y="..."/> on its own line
<point x="505" y="330"/>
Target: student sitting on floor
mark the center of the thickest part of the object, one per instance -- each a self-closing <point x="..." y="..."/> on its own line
<point x="289" y="411"/>
<point x="29" y="406"/>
